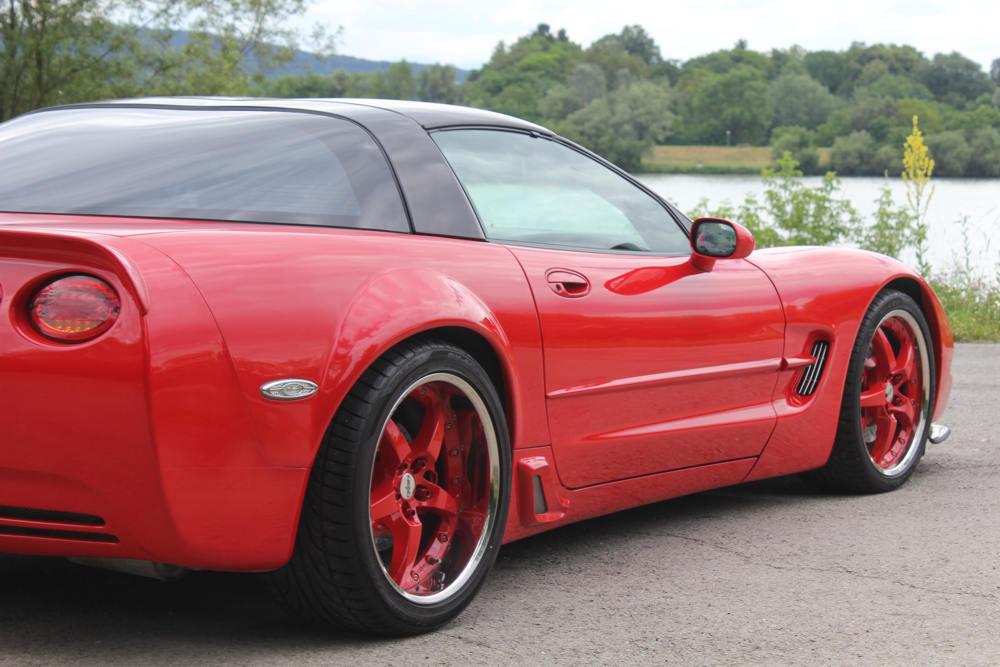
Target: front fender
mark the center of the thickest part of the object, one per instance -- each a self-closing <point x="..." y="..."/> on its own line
<point x="826" y="291"/>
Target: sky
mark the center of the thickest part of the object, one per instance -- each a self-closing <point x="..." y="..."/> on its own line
<point x="464" y="33"/>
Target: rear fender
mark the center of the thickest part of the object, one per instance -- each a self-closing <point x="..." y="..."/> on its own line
<point x="398" y="304"/>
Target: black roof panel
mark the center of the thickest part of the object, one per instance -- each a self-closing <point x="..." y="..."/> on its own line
<point x="428" y="114"/>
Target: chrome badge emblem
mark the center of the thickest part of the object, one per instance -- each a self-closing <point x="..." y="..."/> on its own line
<point x="407" y="485"/>
<point x="288" y="390"/>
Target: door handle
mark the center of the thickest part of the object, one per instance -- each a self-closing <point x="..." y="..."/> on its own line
<point x="567" y="283"/>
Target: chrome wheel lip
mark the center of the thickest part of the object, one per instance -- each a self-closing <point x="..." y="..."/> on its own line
<point x="918" y="432"/>
<point x="493" y="451"/>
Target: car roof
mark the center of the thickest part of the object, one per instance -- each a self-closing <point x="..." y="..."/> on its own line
<point x="429" y="115"/>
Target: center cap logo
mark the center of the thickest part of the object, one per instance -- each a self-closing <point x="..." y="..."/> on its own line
<point x="407" y="485"/>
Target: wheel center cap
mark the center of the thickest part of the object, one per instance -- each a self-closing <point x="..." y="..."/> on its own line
<point x="889" y="392"/>
<point x="407" y="485"/>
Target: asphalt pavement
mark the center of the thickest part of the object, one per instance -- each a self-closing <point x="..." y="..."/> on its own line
<point x="771" y="573"/>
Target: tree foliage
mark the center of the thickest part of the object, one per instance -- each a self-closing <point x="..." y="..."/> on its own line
<point x="57" y="51"/>
<point x="620" y="94"/>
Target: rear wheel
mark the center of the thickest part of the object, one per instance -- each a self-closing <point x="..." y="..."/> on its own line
<point x="886" y="407"/>
<point x="407" y="500"/>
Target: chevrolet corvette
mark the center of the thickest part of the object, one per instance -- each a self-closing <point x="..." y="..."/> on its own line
<point x="357" y="345"/>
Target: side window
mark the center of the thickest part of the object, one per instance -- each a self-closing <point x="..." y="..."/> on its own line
<point x="246" y="166"/>
<point x="534" y="190"/>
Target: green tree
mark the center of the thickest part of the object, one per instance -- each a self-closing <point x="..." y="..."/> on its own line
<point x="854" y="154"/>
<point x="955" y="79"/>
<point x="395" y="83"/>
<point x="61" y="51"/>
<point x="984" y="143"/>
<point x="952" y="153"/>
<point x="586" y="83"/>
<point x="799" y="143"/>
<point x="800" y="100"/>
<point x="735" y="102"/>
<point x="439" y="83"/>
<point x="623" y="126"/>
<point x="516" y="78"/>
<point x="830" y="68"/>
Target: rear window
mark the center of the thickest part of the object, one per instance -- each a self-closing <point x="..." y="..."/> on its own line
<point x="246" y="166"/>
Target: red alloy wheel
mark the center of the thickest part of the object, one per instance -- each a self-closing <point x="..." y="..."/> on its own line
<point x="434" y="488"/>
<point x="893" y="392"/>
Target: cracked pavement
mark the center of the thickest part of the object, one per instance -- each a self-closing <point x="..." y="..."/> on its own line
<point x="767" y="573"/>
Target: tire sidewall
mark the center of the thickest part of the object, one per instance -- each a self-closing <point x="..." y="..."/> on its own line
<point x="431" y="360"/>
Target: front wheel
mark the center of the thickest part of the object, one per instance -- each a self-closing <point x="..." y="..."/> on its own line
<point x="407" y="500"/>
<point x="888" y="397"/>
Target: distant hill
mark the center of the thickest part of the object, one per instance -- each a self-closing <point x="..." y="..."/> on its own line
<point x="307" y="62"/>
<point x="304" y="62"/>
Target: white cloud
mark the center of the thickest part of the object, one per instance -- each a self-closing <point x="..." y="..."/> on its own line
<point x="465" y="33"/>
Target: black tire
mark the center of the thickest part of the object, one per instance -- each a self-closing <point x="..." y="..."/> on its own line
<point x="335" y="578"/>
<point x="850" y="468"/>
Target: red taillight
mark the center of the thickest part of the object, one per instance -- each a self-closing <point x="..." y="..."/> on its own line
<point x="74" y="308"/>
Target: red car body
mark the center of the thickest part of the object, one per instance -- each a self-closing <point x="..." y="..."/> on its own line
<point x="153" y="441"/>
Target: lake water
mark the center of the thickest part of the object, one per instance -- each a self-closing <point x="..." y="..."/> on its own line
<point x="978" y="200"/>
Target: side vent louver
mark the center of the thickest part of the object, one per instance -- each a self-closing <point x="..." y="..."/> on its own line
<point x="813" y="372"/>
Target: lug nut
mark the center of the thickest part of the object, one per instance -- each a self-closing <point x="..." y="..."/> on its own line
<point x="443" y="537"/>
<point x="415" y="576"/>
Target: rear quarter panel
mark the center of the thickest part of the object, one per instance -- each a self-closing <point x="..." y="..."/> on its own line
<point x="324" y="304"/>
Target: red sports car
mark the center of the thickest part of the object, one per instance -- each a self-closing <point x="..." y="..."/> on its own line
<point x="358" y="344"/>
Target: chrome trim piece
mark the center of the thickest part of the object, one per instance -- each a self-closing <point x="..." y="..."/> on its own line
<point x="939" y="433"/>
<point x="290" y="389"/>
<point x="812" y="374"/>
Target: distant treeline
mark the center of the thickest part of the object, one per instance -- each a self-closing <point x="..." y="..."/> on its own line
<point x="620" y="96"/>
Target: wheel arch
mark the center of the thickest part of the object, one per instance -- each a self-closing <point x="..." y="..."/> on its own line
<point x="446" y="310"/>
<point x="942" y="340"/>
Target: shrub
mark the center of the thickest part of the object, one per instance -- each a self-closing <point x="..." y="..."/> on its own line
<point x="854" y="154"/>
<point x="800" y="143"/>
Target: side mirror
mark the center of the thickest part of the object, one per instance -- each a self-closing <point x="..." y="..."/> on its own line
<point x="715" y="238"/>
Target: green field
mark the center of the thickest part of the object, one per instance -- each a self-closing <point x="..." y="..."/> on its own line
<point x="713" y="159"/>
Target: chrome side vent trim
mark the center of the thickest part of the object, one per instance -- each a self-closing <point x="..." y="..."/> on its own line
<point x="813" y="372"/>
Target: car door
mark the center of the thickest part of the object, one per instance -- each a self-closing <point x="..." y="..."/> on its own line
<point x="651" y="364"/>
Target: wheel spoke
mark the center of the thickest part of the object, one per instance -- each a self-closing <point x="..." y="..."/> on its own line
<point x="905" y="365"/>
<point x="393" y="440"/>
<point x="883" y="441"/>
<point x="904" y="412"/>
<point x="873" y="398"/>
<point x="406" y="534"/>
<point x="428" y="441"/>
<point x="384" y="503"/>
<point x="885" y="358"/>
<point x="438" y="500"/>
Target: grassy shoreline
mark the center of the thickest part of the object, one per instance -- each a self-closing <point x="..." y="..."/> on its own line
<point x="712" y="160"/>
